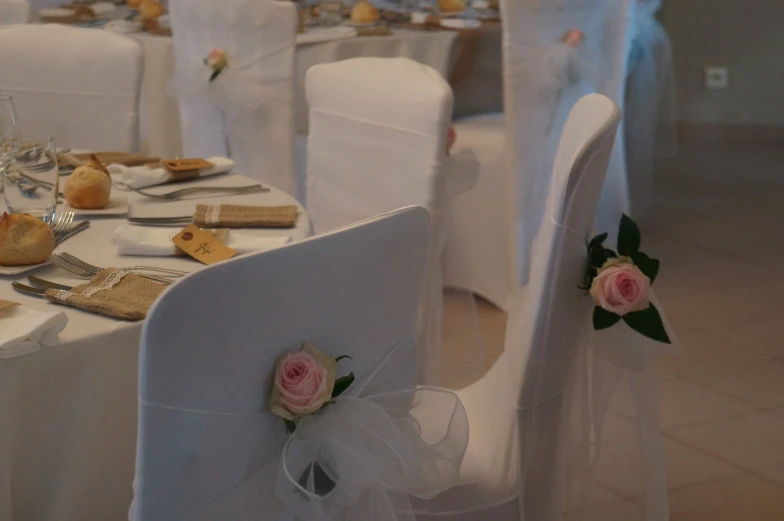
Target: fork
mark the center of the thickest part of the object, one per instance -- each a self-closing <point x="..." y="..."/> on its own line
<point x="170" y="273"/>
<point x="63" y="223"/>
<point x="179" y="194"/>
<point x="80" y="271"/>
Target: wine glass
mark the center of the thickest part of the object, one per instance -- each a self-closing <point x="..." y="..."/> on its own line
<point x="31" y="180"/>
<point x="10" y="129"/>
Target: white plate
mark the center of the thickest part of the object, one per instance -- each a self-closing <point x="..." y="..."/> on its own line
<point x="55" y="12"/>
<point x="118" y="205"/>
<point x="16" y="270"/>
<point x="325" y="34"/>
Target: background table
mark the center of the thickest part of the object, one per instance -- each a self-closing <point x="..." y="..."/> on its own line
<point x="68" y="414"/>
<point x="474" y="56"/>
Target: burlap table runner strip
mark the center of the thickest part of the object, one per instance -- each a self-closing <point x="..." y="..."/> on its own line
<point x="378" y="30"/>
<point x="6" y="305"/>
<point x="114" y="293"/>
<point x="119" y="158"/>
<point x="239" y="216"/>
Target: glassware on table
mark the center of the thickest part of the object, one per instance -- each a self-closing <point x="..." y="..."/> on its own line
<point x="31" y="178"/>
<point x="10" y="129"/>
<point x="330" y="12"/>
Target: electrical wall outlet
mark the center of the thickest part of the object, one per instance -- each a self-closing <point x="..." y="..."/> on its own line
<point x="716" y="77"/>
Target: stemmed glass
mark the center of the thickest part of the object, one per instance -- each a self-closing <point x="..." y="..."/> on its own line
<point x="10" y="130"/>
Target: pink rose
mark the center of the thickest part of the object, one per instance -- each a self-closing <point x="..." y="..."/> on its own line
<point x="620" y="287"/>
<point x="304" y="381"/>
<point x="573" y="38"/>
<point x="451" y="137"/>
<point x="217" y="59"/>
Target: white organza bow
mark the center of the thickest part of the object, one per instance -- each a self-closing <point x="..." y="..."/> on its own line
<point x="357" y="459"/>
<point x="361" y="458"/>
<point x="242" y="86"/>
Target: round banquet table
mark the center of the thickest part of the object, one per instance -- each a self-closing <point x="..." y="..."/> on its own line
<point x="68" y="413"/>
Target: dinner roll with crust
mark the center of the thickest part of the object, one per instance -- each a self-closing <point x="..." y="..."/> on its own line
<point x="24" y="240"/>
<point x="89" y="186"/>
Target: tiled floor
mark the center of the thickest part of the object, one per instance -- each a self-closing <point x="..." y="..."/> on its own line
<point x="718" y="228"/>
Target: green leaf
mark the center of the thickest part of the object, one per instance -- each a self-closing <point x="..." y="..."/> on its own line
<point x="602" y="319"/>
<point x="597" y="256"/>
<point x="215" y="74"/>
<point x="341" y="357"/>
<point x="650" y="267"/>
<point x="341" y="384"/>
<point x="648" y="322"/>
<point x="597" y="241"/>
<point x="290" y="426"/>
<point x="628" y="236"/>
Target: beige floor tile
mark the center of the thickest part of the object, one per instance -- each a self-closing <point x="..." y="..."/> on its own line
<point x="737" y="498"/>
<point x="621" y="511"/>
<point x="621" y="467"/>
<point x="731" y="348"/>
<point x="774" y="474"/>
<point x="682" y="402"/>
<point x="752" y="441"/>
<point x="732" y="306"/>
<point x="761" y="386"/>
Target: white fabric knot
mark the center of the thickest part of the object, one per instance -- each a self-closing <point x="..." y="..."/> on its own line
<point x="361" y="458"/>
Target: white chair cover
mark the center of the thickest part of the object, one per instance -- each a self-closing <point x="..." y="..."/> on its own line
<point x="80" y="86"/>
<point x="377" y="141"/>
<point x="247" y="113"/>
<point x="537" y="430"/>
<point x="209" y="450"/>
<point x="649" y="115"/>
<point x="15" y="12"/>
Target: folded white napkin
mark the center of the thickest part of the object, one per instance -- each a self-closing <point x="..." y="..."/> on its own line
<point x="24" y="330"/>
<point x="156" y="242"/>
<point x="460" y="23"/>
<point x="141" y="176"/>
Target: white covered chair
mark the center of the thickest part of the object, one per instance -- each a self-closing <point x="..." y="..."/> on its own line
<point x="378" y="129"/>
<point x="80" y="86"/>
<point x="543" y="78"/>
<point x="504" y="451"/>
<point x="15" y="12"/>
<point x="247" y="112"/>
<point x="208" y="448"/>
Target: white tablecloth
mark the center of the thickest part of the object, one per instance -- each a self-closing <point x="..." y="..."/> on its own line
<point x="68" y="414"/>
<point x="160" y="125"/>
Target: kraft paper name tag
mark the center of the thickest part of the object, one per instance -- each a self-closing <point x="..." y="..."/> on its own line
<point x="183" y="165"/>
<point x="202" y="245"/>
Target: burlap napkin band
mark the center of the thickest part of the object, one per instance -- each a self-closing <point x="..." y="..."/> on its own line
<point x="239" y="216"/>
<point x="6" y="305"/>
<point x="114" y="293"/>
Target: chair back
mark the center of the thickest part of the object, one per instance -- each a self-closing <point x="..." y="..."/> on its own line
<point x="546" y="325"/>
<point x="378" y="129"/>
<point x="80" y="86"/>
<point x="247" y="112"/>
<point x="210" y="344"/>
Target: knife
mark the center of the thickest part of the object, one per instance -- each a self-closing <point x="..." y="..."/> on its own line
<point x="161" y="221"/>
<point x="22" y="288"/>
<point x="45" y="284"/>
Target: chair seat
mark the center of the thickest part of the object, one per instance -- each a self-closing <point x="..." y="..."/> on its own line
<point x="478" y="255"/>
<point x="489" y="477"/>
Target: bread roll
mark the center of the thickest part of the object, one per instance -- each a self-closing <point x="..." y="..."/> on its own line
<point x="89" y="187"/>
<point x="24" y="240"/>
<point x="133" y="4"/>
<point x="451" y="6"/>
<point x="364" y="13"/>
<point x="150" y="9"/>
